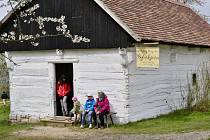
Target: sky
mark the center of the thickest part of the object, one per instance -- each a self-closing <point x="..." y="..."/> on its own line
<point x="3" y="10"/>
<point x="205" y="9"/>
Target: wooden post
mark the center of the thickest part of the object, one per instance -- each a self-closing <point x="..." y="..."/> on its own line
<point x="52" y="78"/>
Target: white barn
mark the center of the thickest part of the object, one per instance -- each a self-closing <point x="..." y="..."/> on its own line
<point x="180" y="38"/>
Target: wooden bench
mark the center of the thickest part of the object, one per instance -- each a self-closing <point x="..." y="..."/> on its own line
<point x="107" y="116"/>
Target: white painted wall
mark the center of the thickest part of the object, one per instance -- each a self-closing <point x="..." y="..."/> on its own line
<point x="150" y="88"/>
<point x="32" y="84"/>
<point x="134" y="93"/>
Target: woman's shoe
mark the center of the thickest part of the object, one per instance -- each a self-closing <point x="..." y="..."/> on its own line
<point x="82" y="126"/>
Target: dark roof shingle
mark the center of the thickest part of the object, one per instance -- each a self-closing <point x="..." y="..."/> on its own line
<point x="162" y="20"/>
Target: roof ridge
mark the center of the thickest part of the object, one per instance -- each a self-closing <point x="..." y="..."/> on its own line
<point x="117" y="19"/>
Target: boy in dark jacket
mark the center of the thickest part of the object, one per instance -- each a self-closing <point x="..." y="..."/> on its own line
<point x="88" y="109"/>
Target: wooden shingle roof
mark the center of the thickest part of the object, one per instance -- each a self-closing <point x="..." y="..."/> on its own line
<point x="161" y="20"/>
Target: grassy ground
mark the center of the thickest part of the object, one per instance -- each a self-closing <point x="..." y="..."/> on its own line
<point x="5" y="126"/>
<point x="29" y="138"/>
<point x="178" y="122"/>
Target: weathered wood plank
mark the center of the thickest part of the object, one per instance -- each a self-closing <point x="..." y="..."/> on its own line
<point x="30" y="81"/>
<point x="31" y="72"/>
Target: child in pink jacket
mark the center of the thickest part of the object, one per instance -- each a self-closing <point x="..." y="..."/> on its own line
<point x="102" y="107"/>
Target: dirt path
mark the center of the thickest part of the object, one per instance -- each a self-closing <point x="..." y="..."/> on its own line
<point x="105" y="134"/>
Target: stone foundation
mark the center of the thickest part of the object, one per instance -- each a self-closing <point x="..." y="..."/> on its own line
<point x="23" y="119"/>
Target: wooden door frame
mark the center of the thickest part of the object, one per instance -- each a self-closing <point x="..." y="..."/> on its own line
<point x="52" y="78"/>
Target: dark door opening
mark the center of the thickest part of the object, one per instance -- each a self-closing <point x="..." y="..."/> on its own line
<point x="67" y="70"/>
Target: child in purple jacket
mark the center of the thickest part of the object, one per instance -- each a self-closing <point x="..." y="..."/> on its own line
<point x="102" y="107"/>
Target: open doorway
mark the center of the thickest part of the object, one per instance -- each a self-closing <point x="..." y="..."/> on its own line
<point x="67" y="70"/>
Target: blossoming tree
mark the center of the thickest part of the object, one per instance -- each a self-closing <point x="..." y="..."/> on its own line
<point x="29" y="16"/>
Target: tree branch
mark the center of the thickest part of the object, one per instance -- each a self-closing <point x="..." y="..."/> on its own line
<point x="18" y="18"/>
<point x="9" y="59"/>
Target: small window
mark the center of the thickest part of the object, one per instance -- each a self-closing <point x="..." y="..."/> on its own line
<point x="194" y="79"/>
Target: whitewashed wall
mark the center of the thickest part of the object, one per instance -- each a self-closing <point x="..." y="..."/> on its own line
<point x="134" y="93"/>
<point x="158" y="91"/>
<point x="32" y="82"/>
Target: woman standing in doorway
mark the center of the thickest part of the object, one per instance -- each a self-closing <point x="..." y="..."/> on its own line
<point x="63" y="90"/>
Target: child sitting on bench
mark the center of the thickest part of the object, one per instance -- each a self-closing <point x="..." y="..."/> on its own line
<point x="102" y="107"/>
<point x="88" y="109"/>
<point x="76" y="108"/>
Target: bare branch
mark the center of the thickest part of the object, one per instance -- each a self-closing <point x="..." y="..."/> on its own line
<point x="8" y="59"/>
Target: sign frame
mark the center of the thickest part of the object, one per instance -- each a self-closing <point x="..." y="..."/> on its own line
<point x="148" y="56"/>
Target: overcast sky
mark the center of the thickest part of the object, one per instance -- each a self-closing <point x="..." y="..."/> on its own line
<point x="3" y="10"/>
<point x="205" y="9"/>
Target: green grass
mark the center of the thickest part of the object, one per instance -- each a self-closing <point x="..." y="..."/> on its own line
<point x="5" y="126"/>
<point x="30" y="138"/>
<point x="181" y="121"/>
<point x="178" y="122"/>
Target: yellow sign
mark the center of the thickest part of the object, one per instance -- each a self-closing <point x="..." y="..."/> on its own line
<point x="147" y="57"/>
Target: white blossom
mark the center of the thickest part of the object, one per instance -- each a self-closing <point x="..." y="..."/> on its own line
<point x="28" y="16"/>
<point x="12" y="33"/>
<point x="58" y="28"/>
<point x="86" y="40"/>
<point x="37" y="35"/>
<point x="34" y="43"/>
<point x="43" y="32"/>
<point x="64" y="26"/>
<point x="4" y="35"/>
<point x="14" y="25"/>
